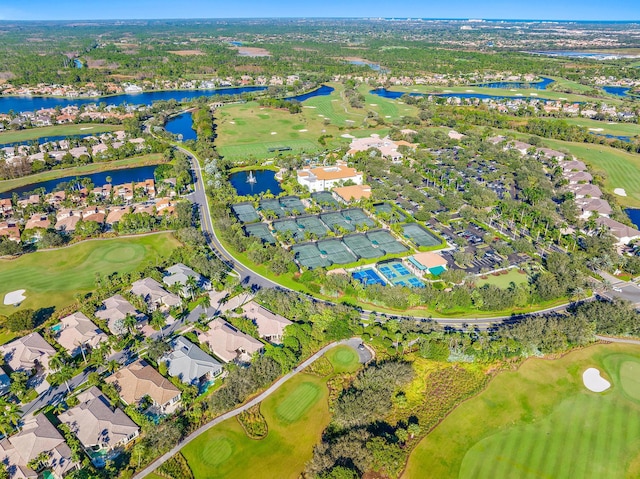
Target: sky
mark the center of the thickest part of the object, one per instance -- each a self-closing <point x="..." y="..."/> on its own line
<point x="142" y="9"/>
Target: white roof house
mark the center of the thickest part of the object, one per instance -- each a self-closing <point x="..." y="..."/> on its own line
<point x="114" y="310"/>
<point x="270" y="326"/>
<point x="180" y="274"/>
<point x="324" y="178"/>
<point x="154" y="294"/>
<point x="78" y="332"/>
<point x="623" y="233"/>
<point x="189" y="363"/>
<point x="27" y="352"/>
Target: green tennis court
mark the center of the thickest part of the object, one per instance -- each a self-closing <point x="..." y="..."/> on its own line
<point x="385" y="241"/>
<point x="261" y="231"/>
<point x="325" y="200"/>
<point x="419" y="235"/>
<point x="309" y="256"/>
<point x="336" y="221"/>
<point x="336" y="251"/>
<point x="362" y="247"/>
<point x="272" y="205"/>
<point x="245" y="212"/>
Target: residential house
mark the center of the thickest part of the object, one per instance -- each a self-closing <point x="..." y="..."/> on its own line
<point x="116" y="214"/>
<point x="37" y="220"/>
<point x="426" y="263"/>
<point x="623" y="233"/>
<point x="585" y="191"/>
<point x="577" y="177"/>
<point x="78" y="333"/>
<point x="352" y="193"/>
<point x="67" y="220"/>
<point x="229" y="343"/>
<point x="180" y="274"/>
<point x="6" y="208"/>
<point x="189" y="363"/>
<point x="573" y="165"/>
<point x="139" y="380"/>
<point x="114" y="310"/>
<point x="10" y="230"/>
<point x="588" y="206"/>
<point x="154" y="294"/>
<point x="27" y="353"/>
<point x="386" y="146"/>
<point x="326" y="177"/>
<point x="36" y="437"/>
<point x="270" y="326"/>
<point x="98" y="425"/>
<point x="519" y="146"/>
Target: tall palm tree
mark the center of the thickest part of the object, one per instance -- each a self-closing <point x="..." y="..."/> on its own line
<point x="192" y="286"/>
<point x="58" y="361"/>
<point x="158" y="320"/>
<point x="113" y="366"/>
<point x="64" y="375"/>
<point x="9" y="415"/>
<point x="129" y="322"/>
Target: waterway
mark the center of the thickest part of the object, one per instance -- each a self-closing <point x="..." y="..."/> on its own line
<point x="324" y="90"/>
<point x="182" y="125"/>
<point x="539" y="85"/>
<point x="622" y="91"/>
<point x="48" y="139"/>
<point x="118" y="177"/>
<point x="634" y="216"/>
<point x="394" y="95"/>
<point x="32" y="103"/>
<point x="265" y="181"/>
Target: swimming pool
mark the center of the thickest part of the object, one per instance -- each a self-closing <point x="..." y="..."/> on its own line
<point x="56" y="328"/>
<point x="367" y="277"/>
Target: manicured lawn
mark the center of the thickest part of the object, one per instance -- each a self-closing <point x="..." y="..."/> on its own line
<point x="151" y="159"/>
<point x="58" y="130"/>
<point x="296" y="414"/>
<point x="504" y="280"/>
<point x="343" y="359"/>
<point x="52" y="278"/>
<point x="622" y="169"/>
<point x="541" y="421"/>
<point x="608" y="128"/>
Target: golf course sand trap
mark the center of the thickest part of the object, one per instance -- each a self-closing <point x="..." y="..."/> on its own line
<point x="14" y="297"/>
<point x="594" y="382"/>
<point x="596" y="129"/>
<point x="620" y="192"/>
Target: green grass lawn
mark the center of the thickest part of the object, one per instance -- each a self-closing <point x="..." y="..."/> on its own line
<point x="151" y="159"/>
<point x="58" y="130"/>
<point x="622" y="169"/>
<point x="296" y="414"/>
<point x="52" y="278"/>
<point x="608" y="128"/>
<point x="541" y="422"/>
<point x="344" y="359"/>
<point x="504" y="280"/>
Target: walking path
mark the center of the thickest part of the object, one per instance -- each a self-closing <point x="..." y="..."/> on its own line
<point x="354" y="342"/>
<point x="617" y="340"/>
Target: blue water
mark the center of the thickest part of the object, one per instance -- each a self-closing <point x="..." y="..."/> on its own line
<point x="32" y="103"/>
<point x="236" y="44"/>
<point x="634" y="216"/>
<point x="374" y="66"/>
<point x="619" y="91"/>
<point x="266" y="180"/>
<point x="182" y="125"/>
<point x="626" y="139"/>
<point x="368" y="276"/>
<point x="541" y="85"/>
<point x="139" y="173"/>
<point x="77" y="63"/>
<point x="324" y="90"/>
<point x="56" y="327"/>
<point x="47" y="139"/>
<point x="394" y="95"/>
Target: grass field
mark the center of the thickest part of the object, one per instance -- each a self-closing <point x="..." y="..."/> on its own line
<point x="541" y="422"/>
<point x="58" y="130"/>
<point x="504" y="280"/>
<point x="622" y="169"/>
<point x="296" y="414"/>
<point x="52" y="278"/>
<point x="151" y="159"/>
<point x="248" y="129"/>
<point x="610" y="128"/>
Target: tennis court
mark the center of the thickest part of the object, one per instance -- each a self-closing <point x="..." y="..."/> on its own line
<point x="261" y="231"/>
<point x="368" y="276"/>
<point x="395" y="215"/>
<point x="325" y="200"/>
<point x="272" y="205"/>
<point x="362" y="247"/>
<point x="291" y="205"/>
<point x="419" y="235"/>
<point x="385" y="241"/>
<point x="336" y="221"/>
<point x="282" y="226"/>
<point x="357" y="217"/>
<point x="336" y="251"/>
<point x="245" y="212"/>
<point x="399" y="275"/>
<point x="309" y="256"/>
<point x="311" y="224"/>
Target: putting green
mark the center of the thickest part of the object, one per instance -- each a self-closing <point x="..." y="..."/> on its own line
<point x="298" y="402"/>
<point x="541" y="422"/>
<point x="343" y="359"/>
<point x="217" y="450"/>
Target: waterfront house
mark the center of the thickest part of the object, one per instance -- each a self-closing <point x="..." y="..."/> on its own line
<point x="622" y="233"/>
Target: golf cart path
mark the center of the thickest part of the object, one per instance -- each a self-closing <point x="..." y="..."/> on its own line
<point x="363" y="356"/>
<point x="617" y="340"/>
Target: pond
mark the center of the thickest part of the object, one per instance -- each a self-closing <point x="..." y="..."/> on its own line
<point x="255" y="182"/>
<point x="126" y="175"/>
<point x="394" y="95"/>
<point x="537" y="85"/>
<point x="374" y="66"/>
<point x="324" y="90"/>
<point x="182" y="125"/>
<point x="32" y="103"/>
<point x="622" y="91"/>
<point x="634" y="216"/>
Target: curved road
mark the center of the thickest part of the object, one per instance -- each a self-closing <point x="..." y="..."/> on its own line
<point x="251" y="278"/>
<point x="353" y="342"/>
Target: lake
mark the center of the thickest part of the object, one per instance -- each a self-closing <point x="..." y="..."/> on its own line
<point x="374" y="66"/>
<point x="394" y="95"/>
<point x="47" y="139"/>
<point x="618" y="91"/>
<point x="265" y="181"/>
<point x="32" y="103"/>
<point x="182" y="125"/>
<point x="118" y="177"/>
<point x="324" y="90"/>
<point x="539" y="85"/>
<point x="634" y="216"/>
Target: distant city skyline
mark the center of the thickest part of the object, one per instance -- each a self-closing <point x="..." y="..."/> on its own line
<point x="454" y="9"/>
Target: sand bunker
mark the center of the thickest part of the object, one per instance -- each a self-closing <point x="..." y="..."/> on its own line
<point x="620" y="192"/>
<point x="14" y="297"/>
<point x="594" y="382"/>
<point x="469" y="91"/>
<point x="596" y="129"/>
<point x="302" y="131"/>
<point x="87" y="128"/>
<point x="274" y="132"/>
<point x="312" y="107"/>
<point x="347" y="135"/>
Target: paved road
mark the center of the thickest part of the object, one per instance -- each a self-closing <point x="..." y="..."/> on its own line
<point x="261" y="397"/>
<point x="617" y="340"/>
<point x="54" y="395"/>
<point x="252" y="279"/>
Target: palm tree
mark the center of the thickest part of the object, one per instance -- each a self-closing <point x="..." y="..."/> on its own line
<point x="58" y="361"/>
<point x="192" y="286"/>
<point x="9" y="415"/>
<point x="130" y="322"/>
<point x="113" y="366"/>
<point x="64" y="375"/>
<point x="158" y="321"/>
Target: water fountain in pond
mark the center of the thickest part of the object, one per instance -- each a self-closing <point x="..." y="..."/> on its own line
<point x="251" y="179"/>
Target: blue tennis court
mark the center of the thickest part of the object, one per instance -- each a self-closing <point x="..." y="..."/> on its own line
<point x="416" y="283"/>
<point x="367" y="277"/>
<point x="402" y="271"/>
<point x="387" y="271"/>
<point x="398" y="274"/>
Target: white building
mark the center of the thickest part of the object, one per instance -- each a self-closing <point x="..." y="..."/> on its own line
<point x="324" y="178"/>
